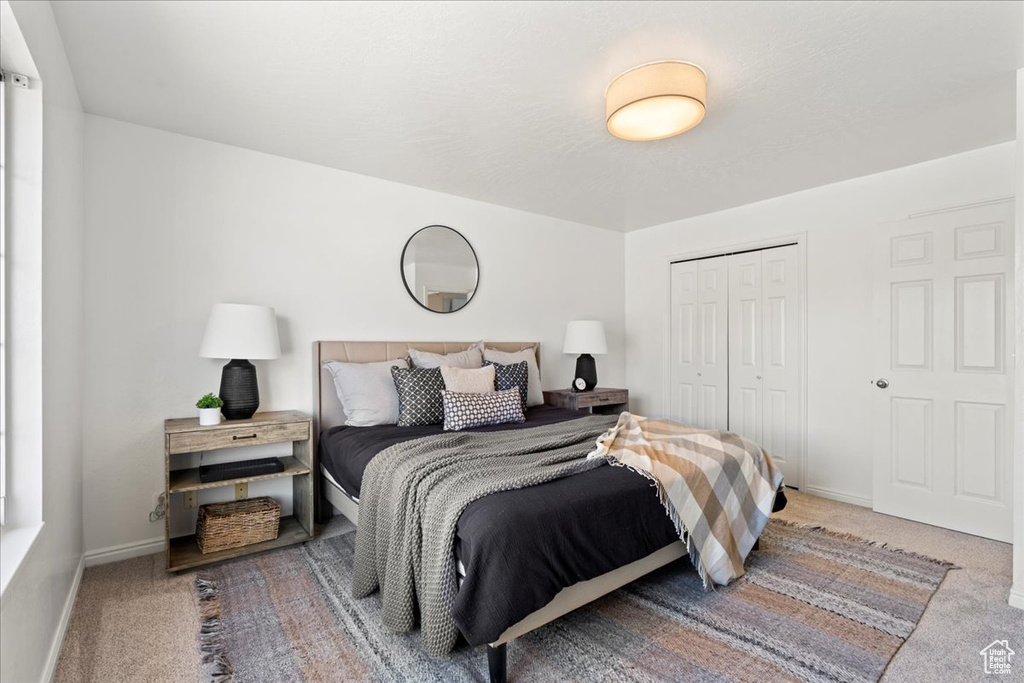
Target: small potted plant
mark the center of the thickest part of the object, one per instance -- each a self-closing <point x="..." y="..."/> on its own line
<point x="209" y="410"/>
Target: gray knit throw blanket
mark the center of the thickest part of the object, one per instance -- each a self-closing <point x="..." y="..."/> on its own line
<point x="413" y="494"/>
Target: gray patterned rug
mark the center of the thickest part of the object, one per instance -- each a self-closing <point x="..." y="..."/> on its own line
<point x="813" y="606"/>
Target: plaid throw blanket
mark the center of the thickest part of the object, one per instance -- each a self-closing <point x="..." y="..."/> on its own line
<point x="717" y="487"/>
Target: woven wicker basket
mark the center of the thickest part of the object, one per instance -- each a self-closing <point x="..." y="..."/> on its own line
<point x="237" y="523"/>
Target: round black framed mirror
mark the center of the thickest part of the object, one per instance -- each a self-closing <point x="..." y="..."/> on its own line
<point x="440" y="269"/>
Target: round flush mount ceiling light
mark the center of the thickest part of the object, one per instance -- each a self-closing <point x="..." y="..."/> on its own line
<point x="656" y="101"/>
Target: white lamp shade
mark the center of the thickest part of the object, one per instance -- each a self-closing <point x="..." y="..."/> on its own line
<point x="241" y="331"/>
<point x="585" y="336"/>
<point x="656" y="101"/>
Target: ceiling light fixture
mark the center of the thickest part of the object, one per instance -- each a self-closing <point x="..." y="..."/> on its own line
<point x="656" y="101"/>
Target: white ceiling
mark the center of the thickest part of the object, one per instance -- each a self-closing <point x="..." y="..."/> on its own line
<point x="504" y="101"/>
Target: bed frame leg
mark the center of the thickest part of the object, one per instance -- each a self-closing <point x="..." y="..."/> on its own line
<point x="497" y="659"/>
<point x="322" y="508"/>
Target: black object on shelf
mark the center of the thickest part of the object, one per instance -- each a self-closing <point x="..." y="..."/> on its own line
<point x="240" y="469"/>
<point x="586" y="368"/>
<point x="238" y="390"/>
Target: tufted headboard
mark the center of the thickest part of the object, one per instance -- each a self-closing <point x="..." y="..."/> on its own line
<point x="326" y="406"/>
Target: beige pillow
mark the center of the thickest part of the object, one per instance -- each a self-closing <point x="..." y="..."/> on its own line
<point x="534" y="392"/>
<point x="468" y="381"/>
<point x="470" y="358"/>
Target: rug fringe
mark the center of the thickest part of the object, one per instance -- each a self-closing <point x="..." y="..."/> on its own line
<point x="817" y="528"/>
<point x="211" y="631"/>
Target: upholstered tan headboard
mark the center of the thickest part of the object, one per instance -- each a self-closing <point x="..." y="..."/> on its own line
<point x="326" y="406"/>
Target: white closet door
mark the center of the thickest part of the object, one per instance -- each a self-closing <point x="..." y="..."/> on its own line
<point x="943" y="358"/>
<point x="699" y="367"/>
<point x="765" y="352"/>
<point x="745" y="344"/>
<point x="713" y="361"/>
<point x="782" y="410"/>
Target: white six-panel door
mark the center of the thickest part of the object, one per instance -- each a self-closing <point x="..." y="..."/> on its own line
<point x="943" y="395"/>
<point x="699" y="373"/>
<point x="736" y="354"/>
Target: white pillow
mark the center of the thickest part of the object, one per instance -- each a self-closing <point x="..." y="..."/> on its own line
<point x="470" y="358"/>
<point x="534" y="393"/>
<point x="468" y="381"/>
<point x="367" y="391"/>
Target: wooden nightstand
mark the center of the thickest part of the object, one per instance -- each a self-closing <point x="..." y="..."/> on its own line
<point x="184" y="435"/>
<point x="599" y="400"/>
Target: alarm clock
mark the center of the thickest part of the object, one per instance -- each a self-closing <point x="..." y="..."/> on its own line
<point x="579" y="384"/>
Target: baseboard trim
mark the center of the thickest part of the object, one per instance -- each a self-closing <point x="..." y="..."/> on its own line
<point x="1017" y="598"/>
<point x="124" y="551"/>
<point x="837" y="495"/>
<point x="65" y="622"/>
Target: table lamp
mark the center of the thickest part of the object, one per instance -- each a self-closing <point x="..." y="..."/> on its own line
<point x="585" y="337"/>
<point x="240" y="332"/>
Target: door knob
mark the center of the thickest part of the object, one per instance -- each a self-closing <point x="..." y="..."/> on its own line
<point x="882" y="383"/>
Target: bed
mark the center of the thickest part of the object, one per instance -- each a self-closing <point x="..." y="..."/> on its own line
<point x="526" y="556"/>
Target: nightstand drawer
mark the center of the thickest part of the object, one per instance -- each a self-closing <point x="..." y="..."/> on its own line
<point x="235" y="437"/>
<point x="588" y="399"/>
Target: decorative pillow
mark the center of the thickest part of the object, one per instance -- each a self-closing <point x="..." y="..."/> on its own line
<point x="514" y="376"/>
<point x="419" y="396"/>
<point x="462" y="411"/>
<point x="466" y="381"/>
<point x="470" y="358"/>
<point x="366" y="391"/>
<point x="534" y="393"/>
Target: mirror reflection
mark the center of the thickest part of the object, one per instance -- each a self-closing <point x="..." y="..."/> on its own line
<point x="440" y="269"/>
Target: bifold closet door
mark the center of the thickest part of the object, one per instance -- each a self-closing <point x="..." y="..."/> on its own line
<point x="699" y="373"/>
<point x="764" y="355"/>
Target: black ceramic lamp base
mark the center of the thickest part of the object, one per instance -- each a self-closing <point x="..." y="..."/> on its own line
<point x="586" y="368"/>
<point x="238" y="390"/>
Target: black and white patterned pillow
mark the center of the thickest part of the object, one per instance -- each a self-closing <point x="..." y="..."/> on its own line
<point x="462" y="411"/>
<point x="419" y="396"/>
<point x="511" y="376"/>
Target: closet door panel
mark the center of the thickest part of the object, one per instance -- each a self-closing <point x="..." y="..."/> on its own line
<point x="782" y="414"/>
<point x="713" y="368"/>
<point x="685" y="343"/>
<point x="698" y="393"/>
<point x="745" y="345"/>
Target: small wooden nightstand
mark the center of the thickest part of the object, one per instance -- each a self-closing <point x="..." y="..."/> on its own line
<point x="599" y="400"/>
<point x="184" y="435"/>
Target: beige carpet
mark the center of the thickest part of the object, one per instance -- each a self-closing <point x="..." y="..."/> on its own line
<point x="132" y="622"/>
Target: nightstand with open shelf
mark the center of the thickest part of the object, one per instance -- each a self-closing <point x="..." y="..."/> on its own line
<point x="601" y="400"/>
<point x="186" y="436"/>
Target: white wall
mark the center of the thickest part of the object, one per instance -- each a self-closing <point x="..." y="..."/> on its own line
<point x="838" y="220"/>
<point x="176" y="224"/>
<point x="37" y="599"/>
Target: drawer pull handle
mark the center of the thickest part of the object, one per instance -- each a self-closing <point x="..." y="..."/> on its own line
<point x="605" y="399"/>
<point x="239" y="438"/>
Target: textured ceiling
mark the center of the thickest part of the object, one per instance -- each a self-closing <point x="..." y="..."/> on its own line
<point x="503" y="102"/>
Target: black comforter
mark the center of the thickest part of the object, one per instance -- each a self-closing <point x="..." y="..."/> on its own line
<point x="520" y="548"/>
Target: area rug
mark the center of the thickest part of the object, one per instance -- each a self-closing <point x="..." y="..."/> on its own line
<point x="813" y="606"/>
